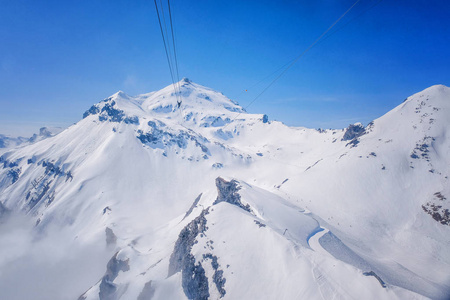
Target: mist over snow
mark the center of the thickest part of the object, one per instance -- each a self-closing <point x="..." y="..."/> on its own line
<point x="46" y="263"/>
<point x="145" y="199"/>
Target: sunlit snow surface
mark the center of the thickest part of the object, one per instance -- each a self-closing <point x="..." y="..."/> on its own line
<point x="142" y="199"/>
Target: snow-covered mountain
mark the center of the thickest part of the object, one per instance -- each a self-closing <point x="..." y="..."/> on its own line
<point x="143" y="199"/>
<point x="7" y="141"/>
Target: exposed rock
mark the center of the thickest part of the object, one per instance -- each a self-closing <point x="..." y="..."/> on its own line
<point x="158" y="138"/>
<point x="217" y="165"/>
<point x="107" y="286"/>
<point x="422" y="148"/>
<point x="212" y="121"/>
<point x="39" y="193"/>
<point x="14" y="174"/>
<point x="228" y="192"/>
<point x="439" y="196"/>
<point x="51" y="169"/>
<point x="372" y="273"/>
<point x="194" y="280"/>
<point x="314" y="164"/>
<point x="106" y="209"/>
<point x="259" y="223"/>
<point x="436" y="209"/>
<point x="91" y="111"/>
<point x="353" y="131"/>
<point x="69" y="176"/>
<point x="109" y="112"/>
<point x="192" y="206"/>
<point x="131" y="120"/>
<point x="441" y="215"/>
<point x="218" y="278"/>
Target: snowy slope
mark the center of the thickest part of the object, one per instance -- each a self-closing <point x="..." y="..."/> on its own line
<point x="206" y="201"/>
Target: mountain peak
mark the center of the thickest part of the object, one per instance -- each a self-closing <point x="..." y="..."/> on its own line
<point x="120" y="94"/>
<point x="200" y="105"/>
<point x="195" y="99"/>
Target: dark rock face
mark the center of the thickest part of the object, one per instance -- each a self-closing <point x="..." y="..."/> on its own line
<point x="218" y="278"/>
<point x="156" y="137"/>
<point x="43" y="187"/>
<point x="217" y="165"/>
<point x="422" y="148"/>
<point x="353" y="131"/>
<point x="228" y="192"/>
<point x="131" y="120"/>
<point x="194" y="280"/>
<point x="193" y="206"/>
<point x="14" y="173"/>
<point x="372" y="273"/>
<point x="51" y="169"/>
<point x="110" y="113"/>
<point x="9" y="164"/>
<point x="436" y="210"/>
<point x="91" y="111"/>
<point x="107" y="286"/>
<point x="39" y="193"/>
<point x="259" y="223"/>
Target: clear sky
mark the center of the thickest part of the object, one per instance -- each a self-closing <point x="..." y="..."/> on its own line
<point x="57" y="58"/>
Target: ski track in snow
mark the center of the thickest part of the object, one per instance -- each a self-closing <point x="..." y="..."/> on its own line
<point x="313" y="240"/>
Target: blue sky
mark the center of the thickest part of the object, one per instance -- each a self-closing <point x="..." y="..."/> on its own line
<point x="57" y="58"/>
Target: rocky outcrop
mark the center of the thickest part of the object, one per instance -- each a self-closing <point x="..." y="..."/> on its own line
<point x="228" y="192"/>
<point x="108" y="289"/>
<point x="436" y="209"/>
<point x="157" y="138"/>
<point x="217" y="277"/>
<point x="109" y="112"/>
<point x="353" y="131"/>
<point x="193" y="280"/>
<point x="194" y="205"/>
<point x="372" y="273"/>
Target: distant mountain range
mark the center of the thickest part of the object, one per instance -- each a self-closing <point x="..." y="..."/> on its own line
<point x="7" y="141"/>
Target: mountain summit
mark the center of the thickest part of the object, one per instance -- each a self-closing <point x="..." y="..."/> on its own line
<point x="200" y="105"/>
<point x="206" y="201"/>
